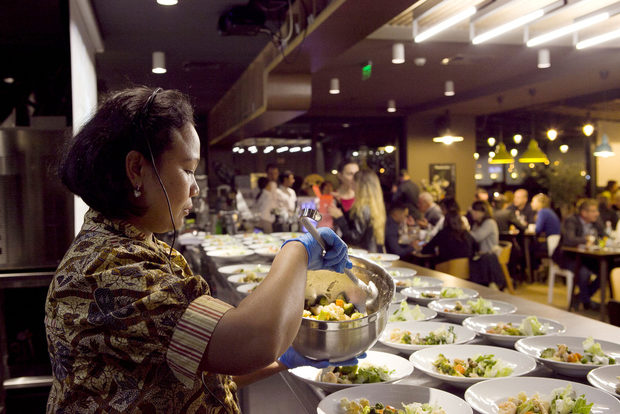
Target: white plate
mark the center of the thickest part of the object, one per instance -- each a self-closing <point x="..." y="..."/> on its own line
<point x="398" y="297"/>
<point x="237" y="279"/>
<point x="219" y="246"/>
<point x="417" y="294"/>
<point x="606" y="378"/>
<point x="480" y="324"/>
<point x="243" y="268"/>
<point x="233" y="253"/>
<point x="357" y="252"/>
<point x="400" y="272"/>
<point x="402" y="368"/>
<point x="486" y="396"/>
<point x="247" y="288"/>
<point x="286" y="235"/>
<point x="418" y="281"/>
<point x="381" y="257"/>
<point x="500" y="308"/>
<point x="256" y="246"/>
<point x="268" y="252"/>
<point x="424" y="358"/>
<point x="395" y="395"/>
<point x="463" y="335"/>
<point x="534" y="345"/>
<point x="428" y="313"/>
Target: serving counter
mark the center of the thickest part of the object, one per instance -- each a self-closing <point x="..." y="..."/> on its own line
<point x="289" y="394"/>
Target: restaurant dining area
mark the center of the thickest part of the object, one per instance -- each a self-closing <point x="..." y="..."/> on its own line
<point x="310" y="206"/>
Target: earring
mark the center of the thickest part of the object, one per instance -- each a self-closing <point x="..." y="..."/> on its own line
<point x="136" y="192"/>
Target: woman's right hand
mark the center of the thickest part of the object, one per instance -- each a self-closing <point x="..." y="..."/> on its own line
<point x="336" y="257"/>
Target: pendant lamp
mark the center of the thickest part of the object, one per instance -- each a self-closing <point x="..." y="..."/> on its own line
<point x="502" y="156"/>
<point x="604" y="149"/>
<point x="533" y="154"/>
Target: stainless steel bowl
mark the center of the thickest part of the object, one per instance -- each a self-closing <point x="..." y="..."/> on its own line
<point x="339" y="341"/>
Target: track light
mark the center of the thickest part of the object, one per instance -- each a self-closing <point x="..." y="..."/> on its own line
<point x="294" y="149"/>
<point x="440" y="27"/>
<point x="235" y="149"/>
<point x="282" y="149"/>
<point x="391" y="105"/>
<point x="596" y="40"/>
<point x="571" y="28"/>
<point x="307" y="148"/>
<point x="159" y="62"/>
<point x="398" y="53"/>
<point x="500" y="30"/>
<point x="544" y="59"/>
<point x="334" y="86"/>
<point x="241" y="151"/>
<point x="449" y="88"/>
<point x="268" y="149"/>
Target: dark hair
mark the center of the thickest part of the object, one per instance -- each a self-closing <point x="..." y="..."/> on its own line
<point x="449" y="204"/>
<point x="484" y="207"/>
<point x="584" y="203"/>
<point x="397" y="205"/>
<point x="610" y="184"/>
<point x="283" y="176"/>
<point x="270" y="166"/>
<point x="93" y="162"/>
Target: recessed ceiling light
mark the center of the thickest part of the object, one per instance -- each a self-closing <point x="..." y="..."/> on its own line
<point x="167" y="2"/>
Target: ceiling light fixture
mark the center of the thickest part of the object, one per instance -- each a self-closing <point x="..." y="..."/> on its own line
<point x="391" y="107"/>
<point x="571" y="28"/>
<point x="597" y="40"/>
<point x="167" y="2"/>
<point x="241" y="151"/>
<point x="476" y="155"/>
<point x="295" y="149"/>
<point x="500" y="30"/>
<point x="307" y="148"/>
<point x="563" y="148"/>
<point x="9" y="80"/>
<point x="398" y="53"/>
<point x="334" y="86"/>
<point x="517" y="138"/>
<point x="604" y="149"/>
<point x="544" y="59"/>
<point x="390" y="149"/>
<point x="268" y="149"/>
<point x="588" y="129"/>
<point x="552" y="134"/>
<point x="502" y="156"/>
<point x="235" y="149"/>
<point x="449" y="88"/>
<point x="533" y="154"/>
<point x="282" y="149"/>
<point x="491" y="141"/>
<point x="440" y="27"/>
<point x="447" y="137"/>
<point x="159" y="62"/>
<point x="514" y="152"/>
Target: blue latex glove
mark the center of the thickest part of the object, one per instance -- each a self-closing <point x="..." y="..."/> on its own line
<point x="292" y="359"/>
<point x="335" y="259"/>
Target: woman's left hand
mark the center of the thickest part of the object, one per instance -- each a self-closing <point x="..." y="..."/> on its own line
<point x="292" y="359"/>
<point x="336" y="255"/>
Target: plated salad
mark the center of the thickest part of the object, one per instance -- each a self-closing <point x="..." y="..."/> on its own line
<point x="251" y="277"/>
<point x="529" y="326"/>
<point x="339" y="310"/>
<point x="480" y="306"/>
<point x="445" y="293"/>
<point x="364" y="373"/>
<point x="363" y="406"/>
<point x="592" y="354"/>
<point x="437" y="337"/>
<point x="480" y="366"/>
<point x="561" y="401"/>
<point x="405" y="313"/>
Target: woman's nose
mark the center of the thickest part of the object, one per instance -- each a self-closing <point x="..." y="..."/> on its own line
<point x="194" y="190"/>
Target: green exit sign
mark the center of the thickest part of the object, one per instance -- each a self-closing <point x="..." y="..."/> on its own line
<point x="367" y="70"/>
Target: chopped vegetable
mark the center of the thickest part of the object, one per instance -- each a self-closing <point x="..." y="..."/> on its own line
<point x="363" y="406"/>
<point x="437" y="337"/>
<point x="529" y="326"/>
<point x="480" y="366"/>
<point x="592" y="354"/>
<point x="561" y="401"/>
<point x="405" y="313"/>
<point x="365" y="373"/>
<point x="480" y="306"/>
<point x="339" y="310"/>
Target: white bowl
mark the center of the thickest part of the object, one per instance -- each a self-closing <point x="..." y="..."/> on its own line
<point x="418" y="281"/>
<point x="440" y="306"/>
<point x="486" y="396"/>
<point x="463" y="335"/>
<point x="395" y="395"/>
<point x="606" y="378"/>
<point x="244" y="268"/>
<point x="230" y="253"/>
<point x="534" y="345"/>
<point x="247" y="288"/>
<point x="428" y="313"/>
<point x="424" y="358"/>
<point x="417" y="294"/>
<point x="237" y="279"/>
<point x="402" y="368"/>
<point x="401" y="272"/>
<point x="480" y="324"/>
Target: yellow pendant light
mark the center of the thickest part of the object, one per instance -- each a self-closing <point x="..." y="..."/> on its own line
<point x="533" y="154"/>
<point x="502" y="156"/>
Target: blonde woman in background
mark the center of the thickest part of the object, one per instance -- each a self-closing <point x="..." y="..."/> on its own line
<point x="364" y="224"/>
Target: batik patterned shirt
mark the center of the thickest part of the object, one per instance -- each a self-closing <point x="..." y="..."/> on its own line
<point x="127" y="328"/>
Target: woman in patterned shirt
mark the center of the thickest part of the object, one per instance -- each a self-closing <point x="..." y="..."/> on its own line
<point x="130" y="328"/>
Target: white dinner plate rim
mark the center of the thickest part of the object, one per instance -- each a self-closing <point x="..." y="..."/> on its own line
<point x="410" y="272"/>
<point x="462" y="316"/>
<point x="499" y="338"/>
<point x="542" y="385"/>
<point x="429" y="313"/>
<point x="229" y="269"/>
<point x="414" y="292"/>
<point x="431" y="325"/>
<point x="220" y="253"/>
<point x="594" y="378"/>
<point x="245" y="288"/>
<point x="434" y="282"/>
<point x="382" y="257"/>
<point x="231" y="278"/>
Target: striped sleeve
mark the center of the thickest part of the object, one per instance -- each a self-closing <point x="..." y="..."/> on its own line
<point x="192" y="335"/>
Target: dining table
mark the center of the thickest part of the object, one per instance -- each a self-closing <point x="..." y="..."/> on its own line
<point x="604" y="257"/>
<point x="284" y="392"/>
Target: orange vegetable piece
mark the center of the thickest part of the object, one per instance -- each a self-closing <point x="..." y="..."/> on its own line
<point x="340" y="302"/>
<point x="459" y="368"/>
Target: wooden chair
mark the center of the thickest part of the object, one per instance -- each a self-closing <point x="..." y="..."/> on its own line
<point x="555" y="269"/>
<point x="614" y="283"/>
<point x="455" y="267"/>
<point x="504" y="257"/>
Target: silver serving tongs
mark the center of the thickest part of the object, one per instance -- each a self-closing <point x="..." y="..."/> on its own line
<point x="370" y="290"/>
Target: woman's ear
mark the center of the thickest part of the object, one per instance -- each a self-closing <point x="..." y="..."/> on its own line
<point x="134" y="168"/>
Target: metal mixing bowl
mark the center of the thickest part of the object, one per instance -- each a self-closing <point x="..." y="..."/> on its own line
<point x="339" y="341"/>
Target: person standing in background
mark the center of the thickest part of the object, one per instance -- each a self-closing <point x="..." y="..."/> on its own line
<point x="484" y="229"/>
<point x="407" y="192"/>
<point x="521" y="207"/>
<point x="265" y="204"/>
<point x="273" y="173"/>
<point x="345" y="196"/>
<point x="285" y="195"/>
<point x="364" y="224"/>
